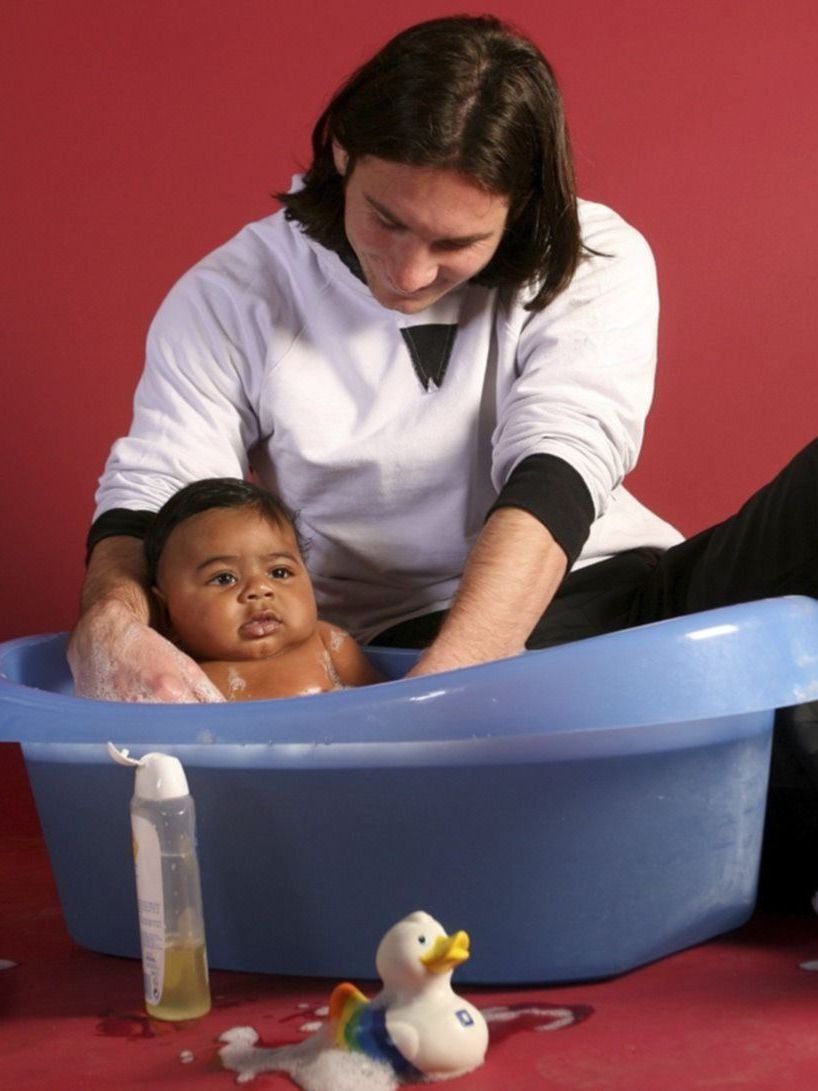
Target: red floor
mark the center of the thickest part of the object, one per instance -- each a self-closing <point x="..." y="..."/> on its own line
<point x="736" y="1013"/>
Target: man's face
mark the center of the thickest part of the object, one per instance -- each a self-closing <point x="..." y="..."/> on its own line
<point x="235" y="587"/>
<point x="418" y="232"/>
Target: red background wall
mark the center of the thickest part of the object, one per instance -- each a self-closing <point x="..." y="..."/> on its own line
<point x="139" y="136"/>
<point x="142" y="135"/>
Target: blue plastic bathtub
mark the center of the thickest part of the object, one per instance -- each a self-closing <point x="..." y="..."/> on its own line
<point x="581" y="810"/>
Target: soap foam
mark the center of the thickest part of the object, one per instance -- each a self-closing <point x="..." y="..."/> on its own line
<point x="235" y="682"/>
<point x="332" y="673"/>
<point x="313" y="1065"/>
<point x="104" y="677"/>
<point x="555" y="1018"/>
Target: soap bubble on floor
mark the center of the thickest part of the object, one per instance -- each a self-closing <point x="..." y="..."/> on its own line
<point x="553" y="1018"/>
<point x="312" y="1065"/>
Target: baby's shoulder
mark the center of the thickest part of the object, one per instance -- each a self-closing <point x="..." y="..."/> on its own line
<point x="332" y="636"/>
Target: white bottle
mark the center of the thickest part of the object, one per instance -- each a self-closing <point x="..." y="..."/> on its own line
<point x="168" y="888"/>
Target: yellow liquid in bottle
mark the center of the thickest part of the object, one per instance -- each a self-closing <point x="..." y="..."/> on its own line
<point x="185" y="991"/>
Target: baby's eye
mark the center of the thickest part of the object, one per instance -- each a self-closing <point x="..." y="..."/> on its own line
<point x="223" y="579"/>
<point x="280" y="573"/>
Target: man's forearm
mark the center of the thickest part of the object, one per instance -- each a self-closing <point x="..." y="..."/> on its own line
<point x="116" y="571"/>
<point x="511" y="577"/>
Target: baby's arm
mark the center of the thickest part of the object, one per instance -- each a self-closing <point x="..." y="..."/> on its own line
<point x="351" y="665"/>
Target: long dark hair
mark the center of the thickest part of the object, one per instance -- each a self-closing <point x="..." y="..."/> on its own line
<point x="204" y="495"/>
<point x="465" y="93"/>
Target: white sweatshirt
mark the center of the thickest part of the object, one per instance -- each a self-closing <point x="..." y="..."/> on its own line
<point x="272" y="353"/>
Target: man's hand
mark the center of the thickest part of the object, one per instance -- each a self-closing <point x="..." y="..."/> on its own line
<point x="114" y="654"/>
<point x="116" y="657"/>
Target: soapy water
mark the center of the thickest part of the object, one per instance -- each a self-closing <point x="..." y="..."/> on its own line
<point x="316" y="1065"/>
<point x="102" y="678"/>
<point x="130" y="1025"/>
<point x="313" y="1065"/>
<point x="507" y="1019"/>
<point x="331" y="672"/>
<point x="235" y="683"/>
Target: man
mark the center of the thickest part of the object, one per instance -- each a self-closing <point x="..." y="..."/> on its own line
<point x="439" y="358"/>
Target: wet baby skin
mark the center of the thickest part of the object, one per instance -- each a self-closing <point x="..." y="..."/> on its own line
<point x="236" y="596"/>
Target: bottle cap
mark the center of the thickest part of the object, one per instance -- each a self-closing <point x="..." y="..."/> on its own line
<point x="158" y="776"/>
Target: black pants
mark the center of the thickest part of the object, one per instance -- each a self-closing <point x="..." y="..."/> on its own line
<point x="769" y="547"/>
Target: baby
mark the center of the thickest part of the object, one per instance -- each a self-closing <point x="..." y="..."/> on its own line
<point x="225" y="564"/>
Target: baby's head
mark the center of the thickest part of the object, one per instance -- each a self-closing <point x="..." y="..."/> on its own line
<point x="226" y="564"/>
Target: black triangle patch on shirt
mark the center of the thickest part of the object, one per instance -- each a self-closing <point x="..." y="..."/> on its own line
<point x="430" y="348"/>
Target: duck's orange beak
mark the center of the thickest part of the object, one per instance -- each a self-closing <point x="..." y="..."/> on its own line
<point x="447" y="953"/>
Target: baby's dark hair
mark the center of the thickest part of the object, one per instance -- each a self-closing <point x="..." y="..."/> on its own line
<point x="205" y="495"/>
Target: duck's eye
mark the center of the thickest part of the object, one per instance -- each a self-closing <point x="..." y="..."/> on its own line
<point x="421" y="939"/>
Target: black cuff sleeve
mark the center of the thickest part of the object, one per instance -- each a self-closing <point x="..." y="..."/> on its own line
<point x="134" y="524"/>
<point x="552" y="491"/>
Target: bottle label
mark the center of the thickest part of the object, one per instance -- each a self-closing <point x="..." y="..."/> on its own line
<point x="148" y="860"/>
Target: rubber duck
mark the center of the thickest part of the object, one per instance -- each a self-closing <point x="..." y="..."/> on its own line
<point x="417" y="1024"/>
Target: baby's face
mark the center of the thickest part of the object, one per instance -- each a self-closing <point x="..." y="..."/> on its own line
<point x="235" y="586"/>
